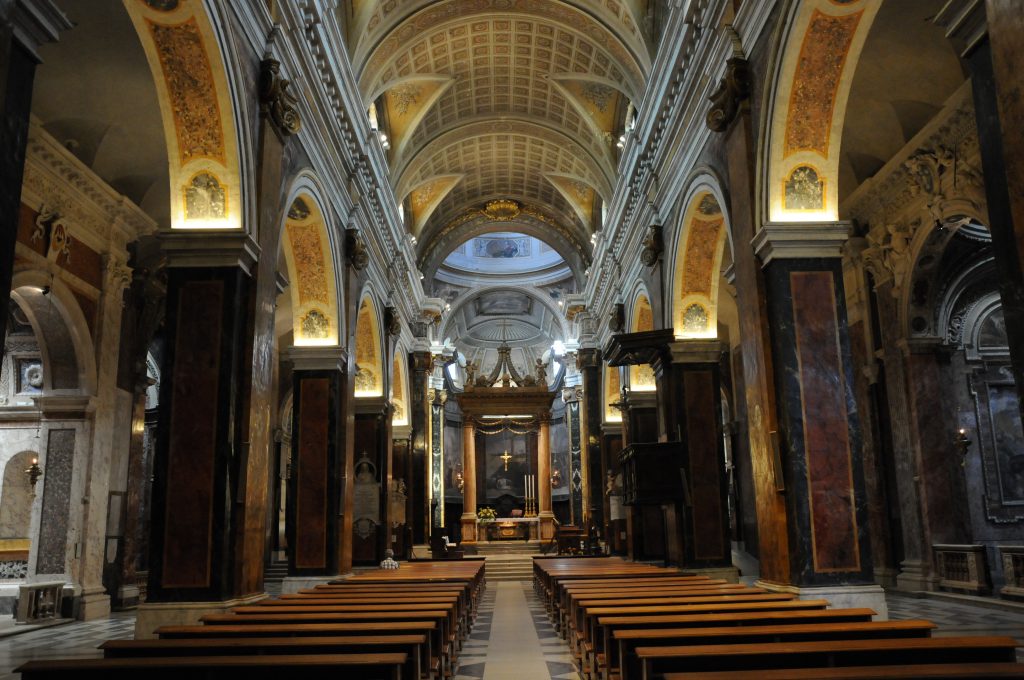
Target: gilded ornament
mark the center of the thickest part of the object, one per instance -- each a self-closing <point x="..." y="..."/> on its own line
<point x="191" y="89"/>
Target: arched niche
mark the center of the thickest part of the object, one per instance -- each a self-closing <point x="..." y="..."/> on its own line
<point x="369" y="363"/>
<point x="65" y="341"/>
<point x="815" y="66"/>
<point x="16" y="496"/>
<point x="700" y="249"/>
<point x="309" y="256"/>
<point x="641" y="377"/>
<point x="195" y="95"/>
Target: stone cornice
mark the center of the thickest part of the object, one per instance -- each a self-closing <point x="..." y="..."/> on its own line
<point x="800" y="241"/>
<point x="99" y="216"/>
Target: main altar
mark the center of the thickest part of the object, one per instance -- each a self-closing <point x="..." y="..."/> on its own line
<point x="511" y="413"/>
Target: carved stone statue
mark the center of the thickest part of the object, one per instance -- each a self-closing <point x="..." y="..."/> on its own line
<point x="542" y="373"/>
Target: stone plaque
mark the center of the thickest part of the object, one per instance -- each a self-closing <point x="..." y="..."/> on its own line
<point x="366" y="498"/>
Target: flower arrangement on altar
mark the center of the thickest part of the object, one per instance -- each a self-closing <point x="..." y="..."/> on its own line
<point x="486" y="514"/>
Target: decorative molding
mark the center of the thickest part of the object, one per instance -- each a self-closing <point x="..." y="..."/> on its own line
<point x="800" y="241"/>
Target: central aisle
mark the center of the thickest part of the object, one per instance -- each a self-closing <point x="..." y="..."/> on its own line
<point x="519" y="643"/>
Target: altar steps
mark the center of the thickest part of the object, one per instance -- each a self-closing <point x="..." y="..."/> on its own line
<point x="509" y="568"/>
<point x="505" y="548"/>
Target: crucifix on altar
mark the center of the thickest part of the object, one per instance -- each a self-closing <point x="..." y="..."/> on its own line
<point x="509" y="413"/>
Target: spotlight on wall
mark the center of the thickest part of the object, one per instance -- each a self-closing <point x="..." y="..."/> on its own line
<point x="34" y="472"/>
<point x="962" y="442"/>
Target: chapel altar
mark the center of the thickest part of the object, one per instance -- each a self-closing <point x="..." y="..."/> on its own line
<point x="506" y="454"/>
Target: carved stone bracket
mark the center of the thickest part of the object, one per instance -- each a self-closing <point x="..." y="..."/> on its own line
<point x="355" y="250"/>
<point x="276" y="102"/>
<point x="726" y="100"/>
<point x="392" y="321"/>
<point x="654" y="245"/>
<point x="617" y="318"/>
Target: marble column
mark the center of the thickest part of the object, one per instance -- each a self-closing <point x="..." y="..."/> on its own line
<point x="573" y="398"/>
<point x="819" y="426"/>
<point x="419" y="413"/>
<point x="690" y="410"/>
<point x="312" y="516"/>
<point x="915" y="567"/>
<point x="545" y="516"/>
<point x="197" y="496"/>
<point x="22" y="30"/>
<point x="469" y="480"/>
<point x="589" y="363"/>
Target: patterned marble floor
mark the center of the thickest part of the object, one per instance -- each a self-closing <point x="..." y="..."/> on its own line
<point x="512" y="640"/>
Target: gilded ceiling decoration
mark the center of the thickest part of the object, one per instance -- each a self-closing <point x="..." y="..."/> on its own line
<point x="369" y="374"/>
<point x="308" y="255"/>
<point x="701" y="254"/>
<point x="189" y="79"/>
<point x="818" y="72"/>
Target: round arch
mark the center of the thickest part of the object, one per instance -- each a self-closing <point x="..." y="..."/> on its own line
<point x="641" y="319"/>
<point x="550" y="305"/>
<point x="309" y="251"/>
<point x="189" y="59"/>
<point x="400" y="399"/>
<point x="437" y="250"/>
<point x="803" y="122"/>
<point x="65" y="341"/>
<point x="369" y="348"/>
<point x="698" y="249"/>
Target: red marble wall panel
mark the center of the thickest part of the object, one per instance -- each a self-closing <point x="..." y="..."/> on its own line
<point x="705" y="468"/>
<point x="195" y="380"/>
<point x="26" y="225"/>
<point x="311" y="474"/>
<point x="826" y="428"/>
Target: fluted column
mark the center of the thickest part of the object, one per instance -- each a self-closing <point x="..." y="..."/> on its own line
<point x="545" y="517"/>
<point x="469" y="480"/>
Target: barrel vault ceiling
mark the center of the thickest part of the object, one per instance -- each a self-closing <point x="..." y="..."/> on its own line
<point x="500" y="100"/>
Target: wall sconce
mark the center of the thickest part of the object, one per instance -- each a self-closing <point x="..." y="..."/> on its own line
<point x="34" y="472"/>
<point x="556" y="478"/>
<point x="460" y="481"/>
<point x="962" y="443"/>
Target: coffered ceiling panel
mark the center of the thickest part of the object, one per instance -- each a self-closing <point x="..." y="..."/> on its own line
<point x="609" y="22"/>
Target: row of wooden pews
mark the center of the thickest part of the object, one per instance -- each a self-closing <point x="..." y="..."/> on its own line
<point x="632" y="621"/>
<point x="403" y="624"/>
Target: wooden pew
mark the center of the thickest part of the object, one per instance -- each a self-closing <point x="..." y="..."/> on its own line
<point x="606" y="626"/>
<point x="594" y="630"/>
<point x="433" y="651"/>
<point x="959" y="671"/>
<point x="629" y="640"/>
<point x="440" y="638"/>
<point x="824" y="654"/>
<point x="266" y="667"/>
<point x="412" y="645"/>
